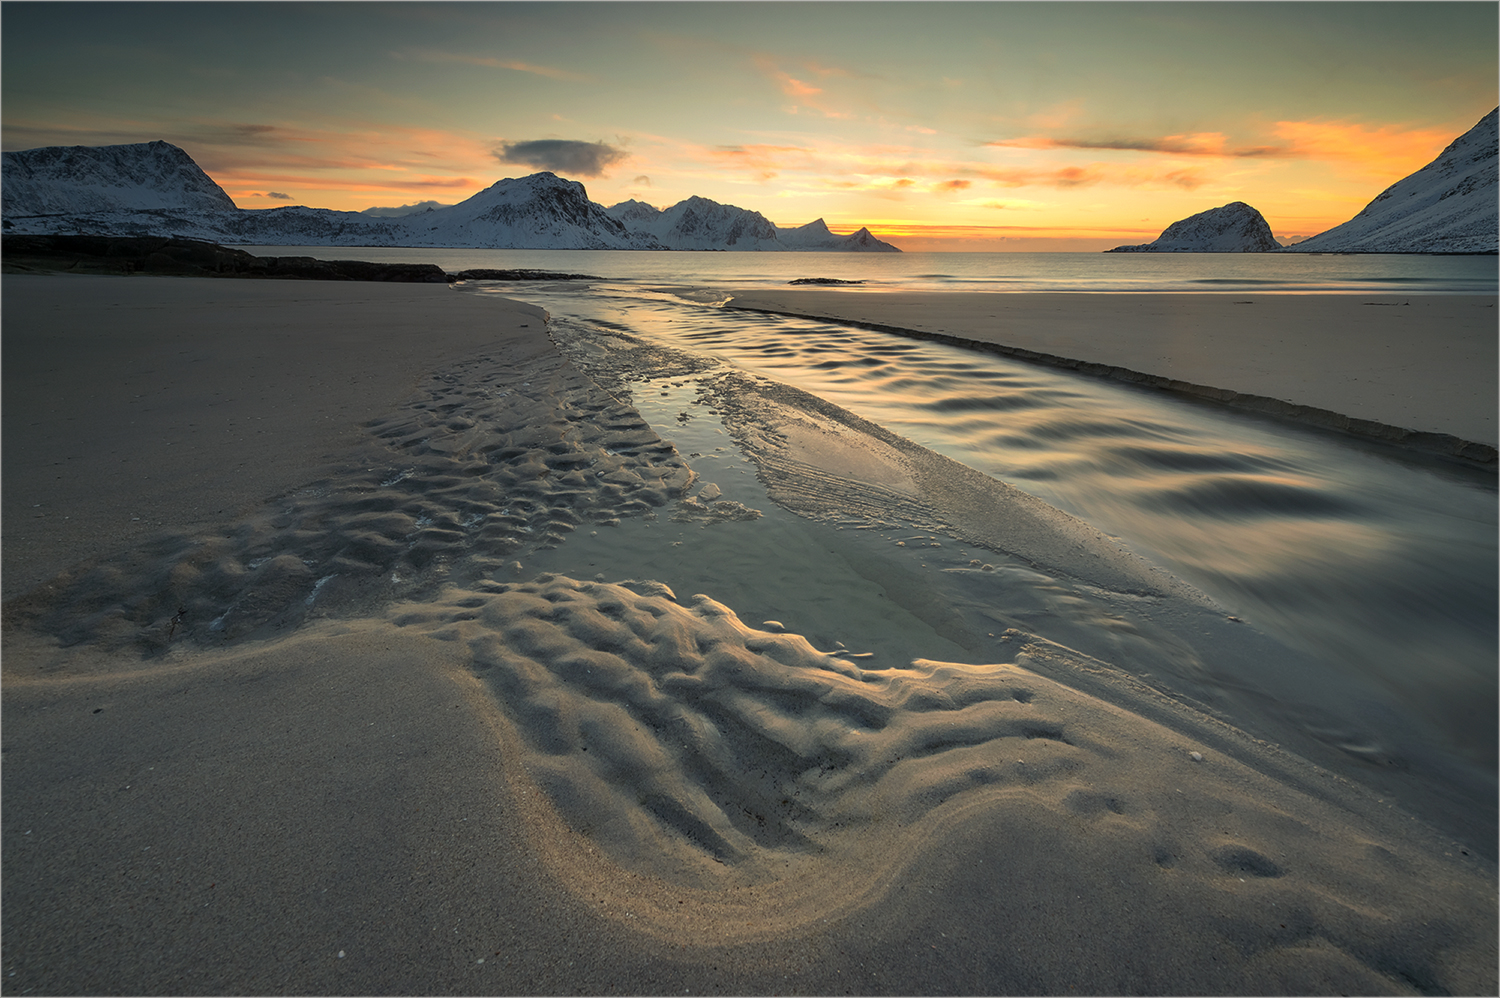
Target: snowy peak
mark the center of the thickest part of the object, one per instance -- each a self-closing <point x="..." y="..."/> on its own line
<point x="633" y="212"/>
<point x="405" y="209"/>
<point x="541" y="211"/>
<point x="86" y="179"/>
<point x="813" y="234"/>
<point x="816" y="235"/>
<point x="1233" y="228"/>
<point x="699" y="223"/>
<point x="1451" y="205"/>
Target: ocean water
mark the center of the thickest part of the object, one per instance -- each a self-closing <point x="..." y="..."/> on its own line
<point x="1352" y="587"/>
<point x="1200" y="272"/>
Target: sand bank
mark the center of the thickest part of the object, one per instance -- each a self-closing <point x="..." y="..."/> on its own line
<point x="1418" y="371"/>
<point x="344" y="742"/>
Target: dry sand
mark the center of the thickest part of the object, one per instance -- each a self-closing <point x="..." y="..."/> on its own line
<point x="339" y="742"/>
<point x="1418" y="370"/>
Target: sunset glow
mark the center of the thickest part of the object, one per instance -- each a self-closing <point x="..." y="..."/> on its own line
<point x="952" y="126"/>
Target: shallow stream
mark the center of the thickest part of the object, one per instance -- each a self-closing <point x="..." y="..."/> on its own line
<point x="1358" y="582"/>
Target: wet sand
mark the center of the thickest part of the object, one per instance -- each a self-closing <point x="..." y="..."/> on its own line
<point x="342" y="741"/>
<point x="131" y="405"/>
<point x="1418" y="370"/>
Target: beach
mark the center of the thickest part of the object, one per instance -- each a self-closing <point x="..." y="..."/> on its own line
<point x="289" y="707"/>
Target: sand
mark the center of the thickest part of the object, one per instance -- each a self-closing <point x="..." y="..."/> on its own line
<point x="346" y="741"/>
<point x="1419" y="370"/>
<point x="195" y="405"/>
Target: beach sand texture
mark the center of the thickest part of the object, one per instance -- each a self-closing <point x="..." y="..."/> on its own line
<point x="312" y="724"/>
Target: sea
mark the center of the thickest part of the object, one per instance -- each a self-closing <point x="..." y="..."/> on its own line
<point x="1283" y="273"/>
<point x="1368" y="574"/>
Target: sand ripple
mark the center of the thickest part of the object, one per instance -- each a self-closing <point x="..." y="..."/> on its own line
<point x="748" y="771"/>
<point x="485" y="464"/>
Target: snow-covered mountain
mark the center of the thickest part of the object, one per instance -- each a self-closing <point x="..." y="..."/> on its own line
<point x="699" y="223"/>
<point x="815" y="236"/>
<point x="405" y="209"/>
<point x="1451" y="205"/>
<point x="542" y="211"/>
<point x="155" y="189"/>
<point x="1233" y="228"/>
<point x="88" y="179"/>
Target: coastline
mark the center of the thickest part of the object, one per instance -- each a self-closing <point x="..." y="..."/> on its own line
<point x="474" y="782"/>
<point x="1416" y="372"/>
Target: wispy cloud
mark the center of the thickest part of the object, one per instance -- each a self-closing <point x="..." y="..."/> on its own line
<point x="899" y="172"/>
<point x="492" y="62"/>
<point x="1196" y="144"/>
<point x="804" y="94"/>
<point x="1383" y="149"/>
<point x="1349" y="142"/>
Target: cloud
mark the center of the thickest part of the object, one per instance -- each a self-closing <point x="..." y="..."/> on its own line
<point x="1386" y="149"/>
<point x="581" y="159"/>
<point x="1069" y="177"/>
<point x="1196" y="144"/>
<point x="514" y="65"/>
<point x="643" y="180"/>
<point x="955" y="185"/>
<point x="805" y="94"/>
<point x="278" y="195"/>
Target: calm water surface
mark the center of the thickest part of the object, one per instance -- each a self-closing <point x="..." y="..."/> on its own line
<point x="1201" y="272"/>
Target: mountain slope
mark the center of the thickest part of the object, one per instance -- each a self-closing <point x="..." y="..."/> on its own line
<point x="1233" y="228"/>
<point x="816" y="236"/>
<point x="89" y="179"/>
<point x="1449" y="206"/>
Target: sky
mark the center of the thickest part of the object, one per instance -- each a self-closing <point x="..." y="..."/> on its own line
<point x="940" y="126"/>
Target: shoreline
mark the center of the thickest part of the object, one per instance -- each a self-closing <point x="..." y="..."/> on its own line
<point x="1434" y="393"/>
<point x="380" y="755"/>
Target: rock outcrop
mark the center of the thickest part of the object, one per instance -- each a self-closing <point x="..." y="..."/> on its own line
<point x="1234" y="228"/>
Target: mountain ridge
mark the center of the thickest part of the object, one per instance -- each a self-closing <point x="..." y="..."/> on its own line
<point x="155" y="189"/>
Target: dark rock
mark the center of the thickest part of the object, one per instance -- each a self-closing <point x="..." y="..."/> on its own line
<point x="482" y="274"/>
<point x="191" y="258"/>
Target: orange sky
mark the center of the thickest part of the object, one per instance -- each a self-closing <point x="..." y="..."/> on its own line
<point x="1025" y="126"/>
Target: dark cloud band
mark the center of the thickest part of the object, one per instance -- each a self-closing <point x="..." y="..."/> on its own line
<point x="579" y="159"/>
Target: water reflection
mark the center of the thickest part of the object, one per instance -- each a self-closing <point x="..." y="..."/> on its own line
<point x="1379" y="564"/>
